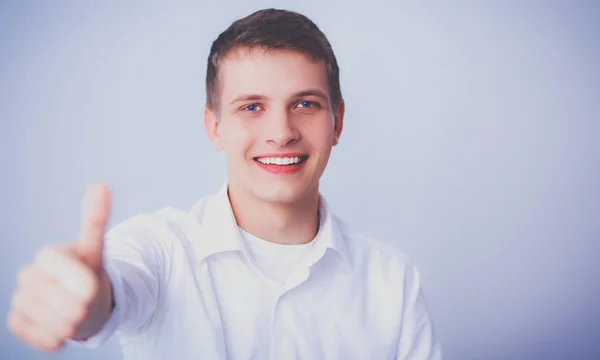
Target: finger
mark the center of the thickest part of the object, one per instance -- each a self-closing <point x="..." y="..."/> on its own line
<point x="26" y="331"/>
<point x="65" y="306"/>
<point x="35" y="308"/>
<point x="25" y="276"/>
<point x="69" y="273"/>
<point x="31" y="276"/>
<point x="96" y="206"/>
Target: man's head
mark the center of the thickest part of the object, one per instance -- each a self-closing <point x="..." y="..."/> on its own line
<point x="274" y="104"/>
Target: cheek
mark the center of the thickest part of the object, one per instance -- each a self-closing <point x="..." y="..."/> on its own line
<point x="237" y="140"/>
<point x="320" y="135"/>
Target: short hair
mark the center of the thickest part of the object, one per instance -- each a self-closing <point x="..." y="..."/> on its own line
<point x="272" y="29"/>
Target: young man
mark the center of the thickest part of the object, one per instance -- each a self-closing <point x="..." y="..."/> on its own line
<point x="262" y="269"/>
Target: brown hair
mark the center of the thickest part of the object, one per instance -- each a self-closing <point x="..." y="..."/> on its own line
<point x="272" y="29"/>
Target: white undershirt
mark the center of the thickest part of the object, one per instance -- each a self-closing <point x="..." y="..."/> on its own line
<point x="275" y="261"/>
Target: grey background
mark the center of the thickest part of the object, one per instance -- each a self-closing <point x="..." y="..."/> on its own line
<point x="471" y="143"/>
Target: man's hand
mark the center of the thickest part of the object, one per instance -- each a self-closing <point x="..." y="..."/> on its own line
<point x="65" y="292"/>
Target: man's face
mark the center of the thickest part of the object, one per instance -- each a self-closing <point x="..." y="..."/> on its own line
<point x="276" y="123"/>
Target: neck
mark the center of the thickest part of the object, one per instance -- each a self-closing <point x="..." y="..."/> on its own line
<point x="281" y="223"/>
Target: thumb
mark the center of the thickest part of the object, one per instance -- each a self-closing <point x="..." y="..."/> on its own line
<point x="96" y="206"/>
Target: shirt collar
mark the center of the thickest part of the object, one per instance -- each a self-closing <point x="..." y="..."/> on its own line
<point x="330" y="233"/>
<point x="220" y="232"/>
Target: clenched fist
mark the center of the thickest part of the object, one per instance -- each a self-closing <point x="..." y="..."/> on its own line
<point x="65" y="292"/>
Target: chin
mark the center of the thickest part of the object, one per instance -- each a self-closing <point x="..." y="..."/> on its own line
<point x="281" y="192"/>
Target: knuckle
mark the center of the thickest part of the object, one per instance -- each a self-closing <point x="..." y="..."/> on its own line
<point x="46" y="250"/>
<point x="23" y="275"/>
<point x="95" y="221"/>
<point x="19" y="302"/>
<point x="44" y="253"/>
<point x="18" y="327"/>
<point x="13" y="323"/>
<point x="15" y="300"/>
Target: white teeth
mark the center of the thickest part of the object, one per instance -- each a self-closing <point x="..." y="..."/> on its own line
<point x="279" y="161"/>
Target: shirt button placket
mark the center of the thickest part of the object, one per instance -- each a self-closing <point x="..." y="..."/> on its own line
<point x="273" y="353"/>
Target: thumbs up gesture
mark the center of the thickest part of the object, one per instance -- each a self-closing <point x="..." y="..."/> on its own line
<point x="65" y="292"/>
<point x="93" y="226"/>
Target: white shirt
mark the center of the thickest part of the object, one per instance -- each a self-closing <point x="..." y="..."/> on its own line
<point x="186" y="286"/>
<point x="275" y="261"/>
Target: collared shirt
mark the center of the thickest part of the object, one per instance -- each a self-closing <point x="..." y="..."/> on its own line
<point x="186" y="286"/>
<point x="276" y="261"/>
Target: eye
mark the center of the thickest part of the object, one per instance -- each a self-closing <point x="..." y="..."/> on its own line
<point x="308" y="104"/>
<point x="252" y="108"/>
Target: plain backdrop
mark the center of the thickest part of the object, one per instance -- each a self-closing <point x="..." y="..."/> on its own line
<point x="471" y="142"/>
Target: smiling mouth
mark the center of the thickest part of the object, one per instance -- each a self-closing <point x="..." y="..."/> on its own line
<point x="281" y="161"/>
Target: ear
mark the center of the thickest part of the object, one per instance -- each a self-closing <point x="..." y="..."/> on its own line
<point x="339" y="122"/>
<point x="212" y="126"/>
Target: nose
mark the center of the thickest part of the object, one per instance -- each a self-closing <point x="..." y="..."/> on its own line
<point x="281" y="130"/>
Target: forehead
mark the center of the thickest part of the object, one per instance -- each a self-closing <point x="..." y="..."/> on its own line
<point x="272" y="73"/>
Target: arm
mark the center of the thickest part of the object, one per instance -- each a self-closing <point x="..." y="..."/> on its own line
<point x="417" y="339"/>
<point x="134" y="261"/>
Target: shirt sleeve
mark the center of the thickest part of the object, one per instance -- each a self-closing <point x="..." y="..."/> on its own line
<point x="417" y="339"/>
<point x="135" y="261"/>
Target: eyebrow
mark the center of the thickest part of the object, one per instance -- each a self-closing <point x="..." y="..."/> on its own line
<point x="255" y="97"/>
<point x="249" y="97"/>
<point x="311" y="92"/>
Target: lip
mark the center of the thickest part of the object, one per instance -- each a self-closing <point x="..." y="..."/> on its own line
<point x="282" y="169"/>
<point x="296" y="154"/>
